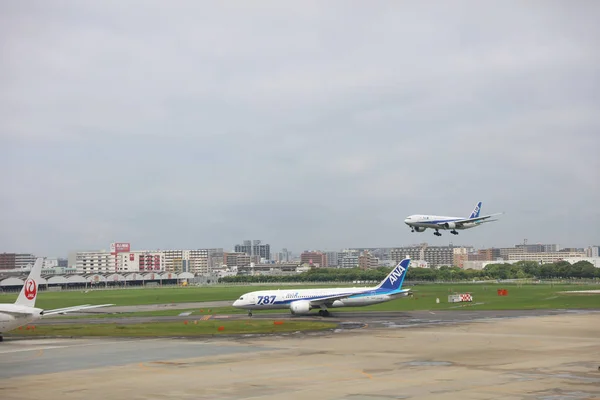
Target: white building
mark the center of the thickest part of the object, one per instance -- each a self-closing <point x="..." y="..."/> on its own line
<point x="348" y="261"/>
<point x="476" y="264"/>
<point x="546" y="258"/>
<point x="592" y="251"/>
<point x="121" y="258"/>
<point x="419" y="264"/>
<point x="93" y="261"/>
<point x="197" y="261"/>
<point x="24" y="260"/>
<point x="141" y="261"/>
<point x="390" y="263"/>
<point x="50" y="263"/>
<point x="332" y="258"/>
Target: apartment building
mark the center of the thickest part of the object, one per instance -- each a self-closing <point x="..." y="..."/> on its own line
<point x="435" y="256"/>
<point x="547" y="258"/>
<point x="332" y="258"/>
<point x="366" y="260"/>
<point x="460" y="256"/>
<point x="348" y="259"/>
<point x="16" y="260"/>
<point x="196" y="261"/>
<point x="120" y="258"/>
<point x="313" y="258"/>
<point x="7" y="261"/>
<point x="236" y="260"/>
<point x="592" y="252"/>
<point x="254" y="248"/>
<point x="93" y="262"/>
<point x="122" y="262"/>
<point x="485" y="255"/>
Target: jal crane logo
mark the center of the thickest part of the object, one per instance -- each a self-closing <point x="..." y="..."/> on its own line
<point x="30" y="289"/>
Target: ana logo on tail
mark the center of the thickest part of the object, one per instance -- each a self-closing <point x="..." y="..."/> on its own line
<point x="397" y="274"/>
<point x="475" y="213"/>
<point x="30" y="289"/>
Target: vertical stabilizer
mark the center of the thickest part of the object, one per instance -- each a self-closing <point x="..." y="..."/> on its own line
<point x="30" y="288"/>
<point x="394" y="280"/>
<point x="476" y="211"/>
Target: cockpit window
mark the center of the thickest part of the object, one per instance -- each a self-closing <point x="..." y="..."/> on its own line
<point x="242" y="298"/>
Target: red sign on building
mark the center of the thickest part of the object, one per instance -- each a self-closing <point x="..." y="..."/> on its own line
<point x="122" y="247"/>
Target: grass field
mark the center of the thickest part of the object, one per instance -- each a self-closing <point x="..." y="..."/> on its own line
<point x="200" y="328"/>
<point x="127" y="297"/>
<point x="485" y="297"/>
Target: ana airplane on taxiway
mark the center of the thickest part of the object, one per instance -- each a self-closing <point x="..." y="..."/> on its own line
<point x="301" y="301"/>
<point x="419" y="223"/>
<point x="23" y="311"/>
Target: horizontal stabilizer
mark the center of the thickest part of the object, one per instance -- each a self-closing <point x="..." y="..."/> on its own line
<point x="17" y="314"/>
<point x="478" y="219"/>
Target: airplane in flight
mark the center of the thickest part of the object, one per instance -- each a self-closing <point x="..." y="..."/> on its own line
<point x="301" y="301"/>
<point x="419" y="223"/>
<point x="23" y="310"/>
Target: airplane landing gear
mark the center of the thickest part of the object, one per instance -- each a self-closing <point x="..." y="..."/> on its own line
<point x="437" y="233"/>
<point x="454" y="232"/>
<point x="1" y="338"/>
<point x="324" y="313"/>
<point x="250" y="313"/>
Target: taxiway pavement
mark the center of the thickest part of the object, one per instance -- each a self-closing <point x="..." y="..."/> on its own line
<point x="371" y="318"/>
<point x="158" y="307"/>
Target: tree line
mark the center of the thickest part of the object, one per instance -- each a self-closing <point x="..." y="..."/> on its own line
<point x="519" y="270"/>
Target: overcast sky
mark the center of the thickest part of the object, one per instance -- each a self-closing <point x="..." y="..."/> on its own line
<point x="308" y="125"/>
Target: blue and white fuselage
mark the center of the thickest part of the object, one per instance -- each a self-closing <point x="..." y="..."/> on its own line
<point x="301" y="301"/>
<point x="418" y="223"/>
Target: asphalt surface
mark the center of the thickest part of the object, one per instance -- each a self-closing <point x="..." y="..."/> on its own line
<point x="158" y="307"/>
<point x="543" y="355"/>
<point x="396" y="319"/>
<point x="40" y="356"/>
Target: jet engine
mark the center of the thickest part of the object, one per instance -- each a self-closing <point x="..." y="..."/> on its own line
<point x="419" y="229"/>
<point x="300" y="307"/>
<point x="450" y="225"/>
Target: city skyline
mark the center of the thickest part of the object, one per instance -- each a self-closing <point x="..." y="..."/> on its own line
<point x="451" y="240"/>
<point x="274" y="251"/>
<point x="313" y="125"/>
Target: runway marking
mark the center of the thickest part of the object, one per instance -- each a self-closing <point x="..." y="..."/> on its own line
<point x="515" y="335"/>
<point x="67" y="345"/>
<point x="158" y="366"/>
<point x="37" y="355"/>
<point x="366" y="374"/>
<point x="206" y="317"/>
<point x="7" y="351"/>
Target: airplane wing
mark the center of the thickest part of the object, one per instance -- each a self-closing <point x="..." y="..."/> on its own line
<point x="73" y="309"/>
<point x="478" y="219"/>
<point x="331" y="299"/>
